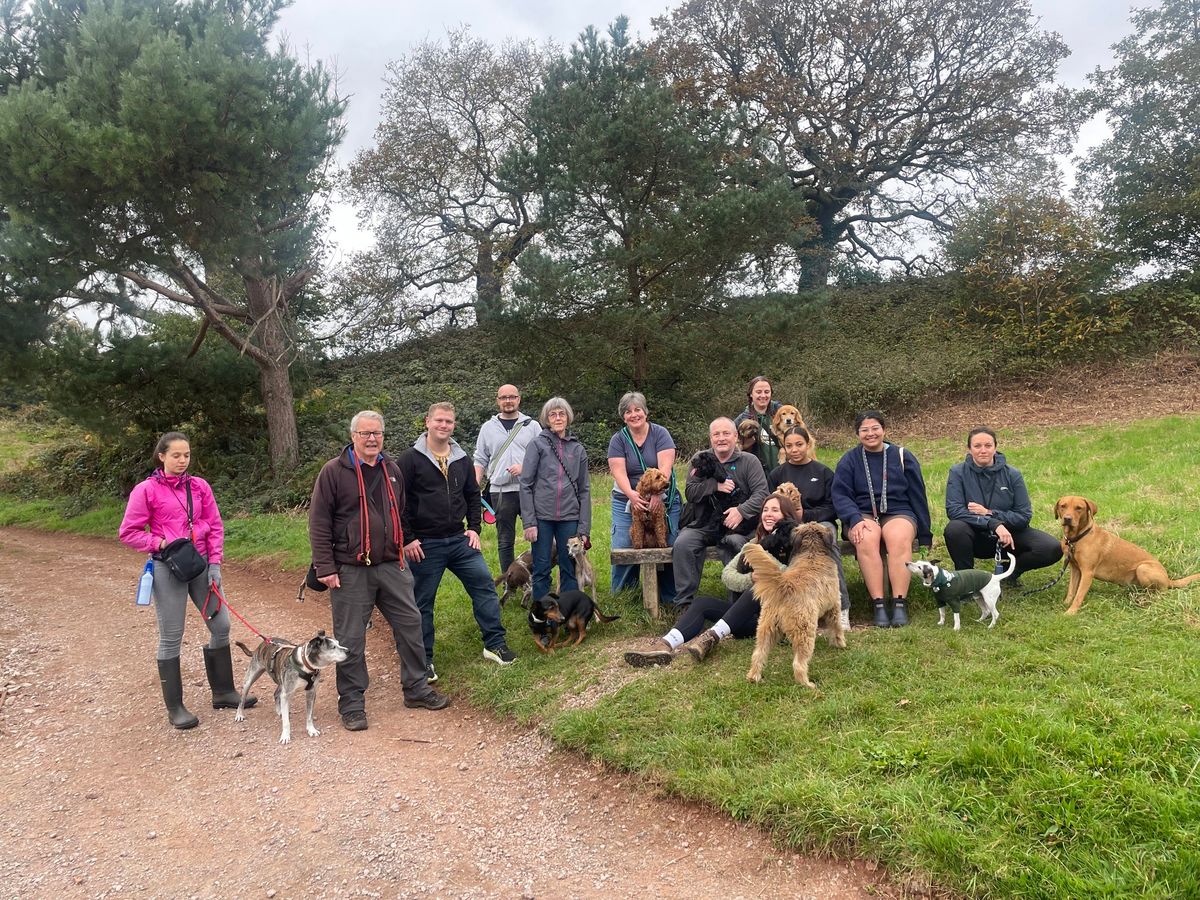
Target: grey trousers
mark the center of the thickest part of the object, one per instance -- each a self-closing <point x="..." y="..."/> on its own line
<point x="389" y="587"/>
<point x="687" y="559"/>
<point x="170" y="606"/>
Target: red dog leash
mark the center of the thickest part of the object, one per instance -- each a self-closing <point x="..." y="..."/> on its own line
<point x="213" y="590"/>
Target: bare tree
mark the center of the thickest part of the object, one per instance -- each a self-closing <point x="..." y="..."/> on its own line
<point x="445" y="212"/>
<point x="881" y="111"/>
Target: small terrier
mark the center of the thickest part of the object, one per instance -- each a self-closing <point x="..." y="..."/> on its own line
<point x="966" y="584"/>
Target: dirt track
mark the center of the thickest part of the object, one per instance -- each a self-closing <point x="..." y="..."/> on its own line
<point x="102" y="798"/>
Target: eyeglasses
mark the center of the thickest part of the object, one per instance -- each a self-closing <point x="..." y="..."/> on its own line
<point x="508" y="397"/>
<point x="369" y="434"/>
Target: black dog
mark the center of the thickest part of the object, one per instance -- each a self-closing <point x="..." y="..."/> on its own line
<point x="778" y="543"/>
<point x="706" y="513"/>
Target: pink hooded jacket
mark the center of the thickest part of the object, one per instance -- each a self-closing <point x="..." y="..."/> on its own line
<point x="160" y="502"/>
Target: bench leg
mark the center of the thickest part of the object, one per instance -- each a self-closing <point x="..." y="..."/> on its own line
<point x="649" y="573"/>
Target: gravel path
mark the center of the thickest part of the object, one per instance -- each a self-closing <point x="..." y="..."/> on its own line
<point x="103" y="799"/>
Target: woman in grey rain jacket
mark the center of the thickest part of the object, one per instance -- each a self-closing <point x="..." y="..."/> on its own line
<point x="556" y="500"/>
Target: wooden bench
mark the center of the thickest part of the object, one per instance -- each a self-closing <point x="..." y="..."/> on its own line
<point x="651" y="559"/>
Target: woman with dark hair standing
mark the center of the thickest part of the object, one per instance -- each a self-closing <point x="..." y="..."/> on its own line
<point x="760" y="407"/>
<point x="879" y="495"/>
<point x="171" y="504"/>
<point x="989" y="509"/>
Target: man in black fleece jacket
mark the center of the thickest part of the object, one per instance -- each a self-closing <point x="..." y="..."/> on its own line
<point x="441" y="492"/>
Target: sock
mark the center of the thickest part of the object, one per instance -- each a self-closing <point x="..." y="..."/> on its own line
<point x="674" y="638"/>
<point x="722" y="629"/>
<point x="876" y="599"/>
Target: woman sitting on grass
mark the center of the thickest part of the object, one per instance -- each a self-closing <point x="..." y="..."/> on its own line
<point x="879" y="494"/>
<point x="738" y="619"/>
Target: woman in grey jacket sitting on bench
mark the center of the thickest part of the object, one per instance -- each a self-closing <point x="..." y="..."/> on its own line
<point x="738" y="619"/>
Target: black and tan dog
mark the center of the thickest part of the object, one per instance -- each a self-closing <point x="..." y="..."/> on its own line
<point x="290" y="665"/>
<point x="572" y="612"/>
<point x="545" y="619"/>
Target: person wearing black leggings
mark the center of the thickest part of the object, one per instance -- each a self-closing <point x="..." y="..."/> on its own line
<point x="738" y="619"/>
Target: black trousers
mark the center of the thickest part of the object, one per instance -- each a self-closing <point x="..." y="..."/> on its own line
<point x="1033" y="549"/>
<point x="741" y="615"/>
<point x="507" y="505"/>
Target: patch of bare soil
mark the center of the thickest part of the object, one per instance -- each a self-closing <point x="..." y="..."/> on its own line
<point x="1095" y="393"/>
<point x="104" y="799"/>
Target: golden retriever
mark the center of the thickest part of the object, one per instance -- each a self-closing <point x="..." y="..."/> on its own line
<point x="796" y="600"/>
<point x="1093" y="553"/>
<point x="649" y="527"/>
<point x="785" y="417"/>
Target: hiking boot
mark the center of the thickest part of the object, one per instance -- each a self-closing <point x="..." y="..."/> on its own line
<point x="219" y="667"/>
<point x="844" y="616"/>
<point x="172" y="690"/>
<point x="500" y="655"/>
<point x="881" y="614"/>
<point x="899" y="612"/>
<point x="355" y="720"/>
<point x="431" y="674"/>
<point x="702" y="645"/>
<point x="659" y="654"/>
<point x="432" y="700"/>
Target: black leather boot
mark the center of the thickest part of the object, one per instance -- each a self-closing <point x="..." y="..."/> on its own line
<point x="219" y="666"/>
<point x="899" y="612"/>
<point x="172" y="689"/>
<point x="881" y="614"/>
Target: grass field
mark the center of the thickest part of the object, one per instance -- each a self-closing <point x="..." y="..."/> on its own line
<point x="1049" y="757"/>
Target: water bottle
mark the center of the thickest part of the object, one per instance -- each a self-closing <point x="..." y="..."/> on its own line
<point x="145" y="584"/>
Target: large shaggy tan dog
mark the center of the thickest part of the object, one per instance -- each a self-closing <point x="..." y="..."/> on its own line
<point x="796" y="600"/>
<point x="649" y="527"/>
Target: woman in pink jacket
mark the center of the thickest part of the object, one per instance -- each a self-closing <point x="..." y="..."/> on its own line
<point x="156" y="515"/>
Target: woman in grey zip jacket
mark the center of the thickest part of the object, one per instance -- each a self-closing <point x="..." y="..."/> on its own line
<point x="556" y="499"/>
<point x="988" y="506"/>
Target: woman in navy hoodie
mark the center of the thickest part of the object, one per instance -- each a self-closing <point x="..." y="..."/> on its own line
<point x="879" y="495"/>
<point x="988" y="506"/>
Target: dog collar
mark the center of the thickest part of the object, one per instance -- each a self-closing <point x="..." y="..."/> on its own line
<point x="536" y="620"/>
<point x="1080" y="536"/>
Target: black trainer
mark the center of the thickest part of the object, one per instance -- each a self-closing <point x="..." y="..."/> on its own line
<point x="432" y="700"/>
<point x="500" y="655"/>
<point x="355" y="720"/>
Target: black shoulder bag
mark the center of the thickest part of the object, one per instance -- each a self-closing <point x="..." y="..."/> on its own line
<point x="181" y="557"/>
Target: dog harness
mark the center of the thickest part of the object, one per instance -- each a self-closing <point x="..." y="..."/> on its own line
<point x="951" y="587"/>
<point x="300" y="664"/>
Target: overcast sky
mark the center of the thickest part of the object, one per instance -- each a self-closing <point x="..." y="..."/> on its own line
<point x="359" y="37"/>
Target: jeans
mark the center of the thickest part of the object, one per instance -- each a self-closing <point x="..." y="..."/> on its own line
<point x="687" y="558"/>
<point x="549" y="532"/>
<point x="627" y="576"/>
<point x="507" y="505"/>
<point x="468" y="566"/>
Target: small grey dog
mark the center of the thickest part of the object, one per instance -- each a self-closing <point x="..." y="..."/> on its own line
<point x="290" y="665"/>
